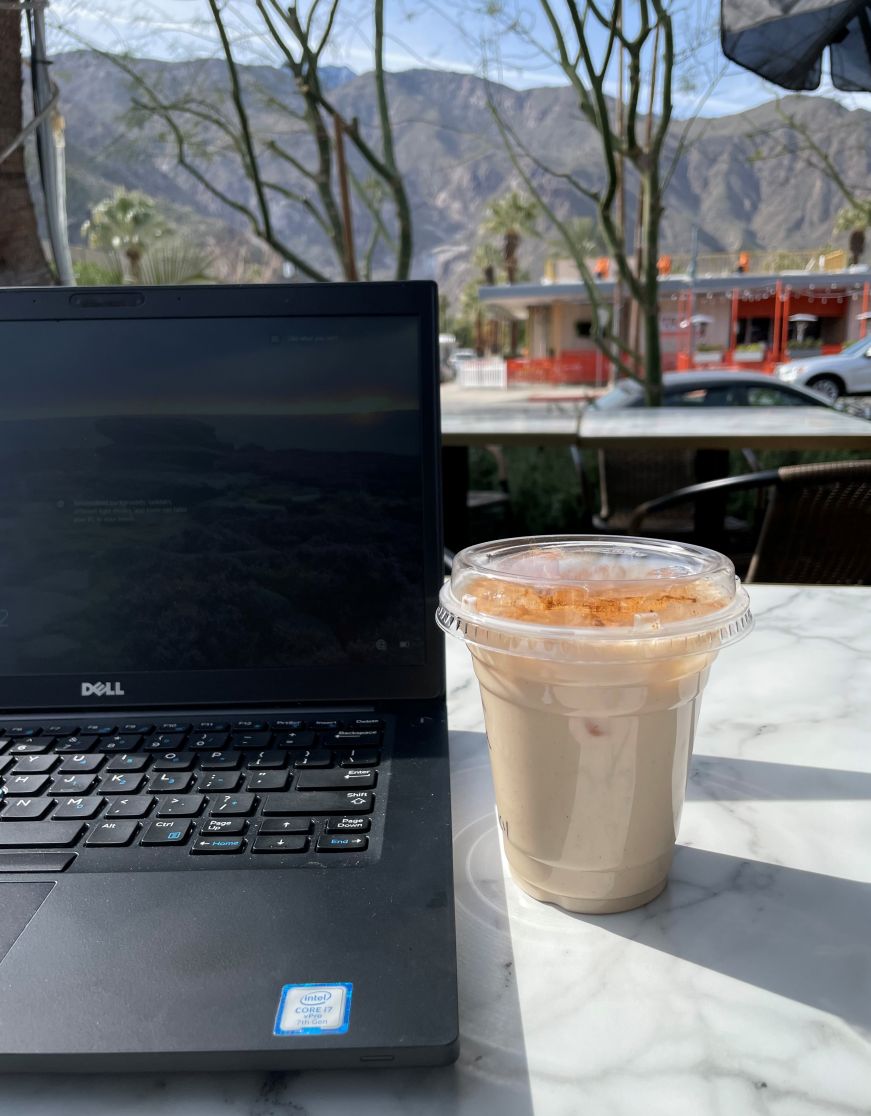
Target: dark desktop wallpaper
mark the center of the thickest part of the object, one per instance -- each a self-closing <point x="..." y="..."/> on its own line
<point x="209" y="494"/>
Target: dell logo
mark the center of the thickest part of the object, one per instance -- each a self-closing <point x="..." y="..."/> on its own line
<point x="102" y="689"/>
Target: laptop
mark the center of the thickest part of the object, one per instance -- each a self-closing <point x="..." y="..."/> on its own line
<point x="225" y="826"/>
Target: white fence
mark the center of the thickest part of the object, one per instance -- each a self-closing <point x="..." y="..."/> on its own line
<point x="485" y="372"/>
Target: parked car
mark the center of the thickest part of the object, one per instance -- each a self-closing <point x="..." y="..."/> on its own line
<point x="460" y="357"/>
<point x="845" y="373"/>
<point x="713" y="389"/>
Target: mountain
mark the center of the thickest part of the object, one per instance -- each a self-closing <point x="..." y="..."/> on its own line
<point x="451" y="155"/>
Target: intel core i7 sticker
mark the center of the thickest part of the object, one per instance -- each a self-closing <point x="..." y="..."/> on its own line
<point x="313" y="1009"/>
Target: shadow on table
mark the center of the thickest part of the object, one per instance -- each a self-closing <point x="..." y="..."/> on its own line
<point x="798" y="934"/>
<point x="726" y="779"/>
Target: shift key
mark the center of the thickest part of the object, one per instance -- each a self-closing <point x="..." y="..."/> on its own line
<point x="313" y="802"/>
<point x="32" y="835"/>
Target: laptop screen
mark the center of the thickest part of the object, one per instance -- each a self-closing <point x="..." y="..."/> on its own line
<point x="211" y="494"/>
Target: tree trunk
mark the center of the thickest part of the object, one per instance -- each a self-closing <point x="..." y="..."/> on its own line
<point x="22" y="261"/>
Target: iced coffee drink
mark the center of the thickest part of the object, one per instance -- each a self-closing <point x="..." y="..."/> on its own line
<point x="592" y="655"/>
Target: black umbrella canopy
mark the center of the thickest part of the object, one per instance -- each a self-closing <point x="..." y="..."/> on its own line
<point x="784" y="40"/>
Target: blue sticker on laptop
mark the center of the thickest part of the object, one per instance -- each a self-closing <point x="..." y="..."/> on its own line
<point x="313" y="1009"/>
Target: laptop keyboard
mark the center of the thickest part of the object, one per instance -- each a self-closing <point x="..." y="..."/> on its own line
<point x="275" y="790"/>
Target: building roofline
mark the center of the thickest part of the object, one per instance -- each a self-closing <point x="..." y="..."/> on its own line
<point x="676" y="284"/>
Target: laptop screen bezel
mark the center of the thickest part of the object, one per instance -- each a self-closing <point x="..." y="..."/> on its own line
<point x="291" y="685"/>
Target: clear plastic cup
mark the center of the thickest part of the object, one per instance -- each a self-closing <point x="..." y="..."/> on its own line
<point x="592" y="654"/>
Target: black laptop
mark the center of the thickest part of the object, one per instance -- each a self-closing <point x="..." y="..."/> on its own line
<point x="225" y="823"/>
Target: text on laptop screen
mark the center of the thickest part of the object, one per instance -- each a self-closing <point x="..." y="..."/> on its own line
<point x="210" y="494"/>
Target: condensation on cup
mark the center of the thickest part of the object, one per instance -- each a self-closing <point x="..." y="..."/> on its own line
<point x="592" y="655"/>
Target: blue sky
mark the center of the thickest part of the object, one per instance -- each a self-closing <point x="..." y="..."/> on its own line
<point x="449" y="35"/>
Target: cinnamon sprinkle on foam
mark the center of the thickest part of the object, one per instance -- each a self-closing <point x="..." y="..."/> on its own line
<point x="576" y="607"/>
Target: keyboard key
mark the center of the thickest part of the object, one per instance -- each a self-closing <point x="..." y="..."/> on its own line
<point x="85" y="807"/>
<point x="286" y="825"/>
<point x="354" y="738"/>
<point x="127" y="761"/>
<point x="335" y="843"/>
<point x="179" y="805"/>
<point x="35" y="862"/>
<point x="287" y="725"/>
<point x="348" y="825"/>
<point x="23" y="786"/>
<point x="30" y="747"/>
<point x="366" y="723"/>
<point x="135" y="807"/>
<point x="220" y="761"/>
<point x="111" y="833"/>
<point x="253" y="740"/>
<point x="170" y="782"/>
<point x="295" y="740"/>
<point x="121" y="782"/>
<point x="249" y="726"/>
<point x="352" y="802"/>
<point x="168" y="832"/>
<point x="21" y="809"/>
<point x="279" y="844"/>
<point x="174" y="761"/>
<point x="114" y="744"/>
<point x="259" y="760"/>
<point x="337" y="779"/>
<point x="218" y="845"/>
<point x="315" y="757"/>
<point x="210" y="726"/>
<point x="137" y="728"/>
<point x="238" y="804"/>
<point x="325" y="724"/>
<point x="212" y="826"/>
<point x="40" y="834"/>
<point x="267" y="781"/>
<point x="33" y="765"/>
<point x="219" y="781"/>
<point x="361" y="757"/>
<point x="174" y="726"/>
<point x="81" y="761"/>
<point x="99" y="730"/>
<point x="23" y="730"/>
<point x="206" y="741"/>
<point x="60" y="729"/>
<point x="72" y="784"/>
<point x="75" y="744"/>
<point x="164" y="742"/>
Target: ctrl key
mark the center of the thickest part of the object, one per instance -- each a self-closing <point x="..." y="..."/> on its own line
<point x="173" y="831"/>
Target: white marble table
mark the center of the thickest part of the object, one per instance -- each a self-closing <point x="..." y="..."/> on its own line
<point x="814" y="428"/>
<point x="744" y="989"/>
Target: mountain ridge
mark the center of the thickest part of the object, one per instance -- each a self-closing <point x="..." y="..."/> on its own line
<point x="452" y="159"/>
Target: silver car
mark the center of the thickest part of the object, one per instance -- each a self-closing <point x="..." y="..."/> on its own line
<point x="845" y="373"/>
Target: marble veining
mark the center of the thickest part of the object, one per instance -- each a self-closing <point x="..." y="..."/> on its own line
<point x="744" y="989"/>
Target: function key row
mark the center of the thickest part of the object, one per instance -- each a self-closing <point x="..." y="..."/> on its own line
<point x="140" y="728"/>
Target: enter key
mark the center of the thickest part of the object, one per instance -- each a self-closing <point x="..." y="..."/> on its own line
<point x="341" y="778"/>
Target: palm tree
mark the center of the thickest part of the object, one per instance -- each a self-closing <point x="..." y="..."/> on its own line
<point x="22" y="261"/>
<point x="127" y="223"/>
<point x="855" y="219"/>
<point x="510" y="217"/>
<point x="486" y="261"/>
<point x="584" y="236"/>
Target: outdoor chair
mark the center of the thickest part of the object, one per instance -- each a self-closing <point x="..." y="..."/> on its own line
<point x="628" y="477"/>
<point x="815" y="527"/>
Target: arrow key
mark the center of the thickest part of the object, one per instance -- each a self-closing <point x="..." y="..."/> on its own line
<point x="280" y="844"/>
